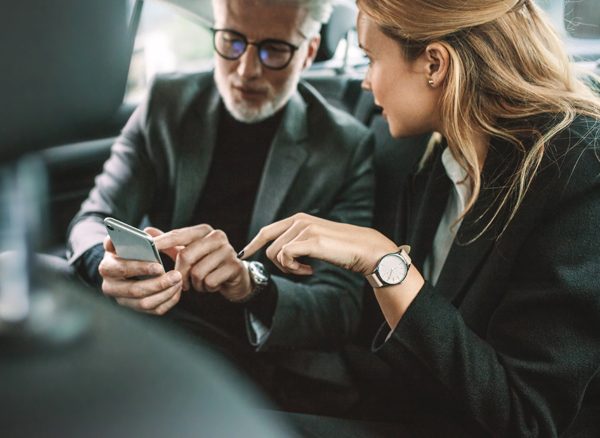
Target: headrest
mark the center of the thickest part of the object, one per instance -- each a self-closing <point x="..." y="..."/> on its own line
<point x="342" y="21"/>
<point x="64" y="70"/>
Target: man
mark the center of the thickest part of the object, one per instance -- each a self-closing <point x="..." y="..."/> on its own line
<point x="214" y="158"/>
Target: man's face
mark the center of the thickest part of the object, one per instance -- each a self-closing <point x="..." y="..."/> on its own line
<point x="252" y="92"/>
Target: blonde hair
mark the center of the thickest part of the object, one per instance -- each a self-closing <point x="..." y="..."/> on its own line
<point x="506" y="64"/>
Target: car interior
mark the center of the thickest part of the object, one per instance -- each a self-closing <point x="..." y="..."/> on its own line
<point x="78" y="136"/>
<point x="74" y="71"/>
<point x="72" y="166"/>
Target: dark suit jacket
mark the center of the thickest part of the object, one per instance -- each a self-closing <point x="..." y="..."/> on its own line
<point x="508" y="341"/>
<point x="319" y="163"/>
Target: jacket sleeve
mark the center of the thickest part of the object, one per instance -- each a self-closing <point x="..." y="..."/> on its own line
<point x="324" y="309"/>
<point x="526" y="375"/>
<point x="124" y="189"/>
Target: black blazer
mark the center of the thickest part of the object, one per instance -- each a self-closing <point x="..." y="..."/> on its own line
<point x="508" y="341"/>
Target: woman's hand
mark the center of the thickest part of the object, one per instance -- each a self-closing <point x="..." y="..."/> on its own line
<point x="351" y="247"/>
<point x="348" y="246"/>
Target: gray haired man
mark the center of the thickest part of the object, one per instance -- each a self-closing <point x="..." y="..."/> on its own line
<point x="210" y="158"/>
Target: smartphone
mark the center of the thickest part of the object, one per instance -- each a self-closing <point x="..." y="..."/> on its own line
<point x="130" y="242"/>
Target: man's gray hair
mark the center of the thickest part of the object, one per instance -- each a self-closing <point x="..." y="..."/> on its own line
<point x="319" y="12"/>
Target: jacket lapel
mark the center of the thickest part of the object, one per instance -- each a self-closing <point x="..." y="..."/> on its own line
<point x="199" y="132"/>
<point x="285" y="158"/>
<point x="463" y="262"/>
<point x="432" y="188"/>
<point x="466" y="257"/>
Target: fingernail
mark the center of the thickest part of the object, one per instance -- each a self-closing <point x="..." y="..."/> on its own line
<point x="241" y="254"/>
<point x="156" y="270"/>
<point x="174" y="277"/>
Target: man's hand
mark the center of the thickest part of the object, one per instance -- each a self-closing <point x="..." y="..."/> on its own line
<point x="154" y="295"/>
<point x="207" y="261"/>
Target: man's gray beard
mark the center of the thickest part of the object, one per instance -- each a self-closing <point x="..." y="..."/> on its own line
<point x="252" y="114"/>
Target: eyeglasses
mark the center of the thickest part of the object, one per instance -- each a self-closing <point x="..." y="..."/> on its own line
<point x="273" y="54"/>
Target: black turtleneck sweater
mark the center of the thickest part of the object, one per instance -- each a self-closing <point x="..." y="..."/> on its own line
<point x="237" y="165"/>
<point x="226" y="203"/>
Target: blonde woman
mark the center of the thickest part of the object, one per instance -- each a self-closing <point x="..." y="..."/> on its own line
<point x="493" y="318"/>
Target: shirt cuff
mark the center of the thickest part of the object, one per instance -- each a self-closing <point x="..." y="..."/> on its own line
<point x="259" y="315"/>
<point x="87" y="265"/>
<point x="262" y="306"/>
<point x="257" y="331"/>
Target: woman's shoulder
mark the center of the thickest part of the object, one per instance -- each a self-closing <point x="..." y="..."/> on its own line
<point x="583" y="130"/>
<point x="581" y="136"/>
<point x="573" y="155"/>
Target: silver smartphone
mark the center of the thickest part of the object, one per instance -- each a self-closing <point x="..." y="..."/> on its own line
<point x="130" y="242"/>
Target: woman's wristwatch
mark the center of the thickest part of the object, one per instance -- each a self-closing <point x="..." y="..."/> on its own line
<point x="391" y="269"/>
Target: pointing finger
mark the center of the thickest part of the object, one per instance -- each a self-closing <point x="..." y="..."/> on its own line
<point x="266" y="235"/>
<point x="181" y="236"/>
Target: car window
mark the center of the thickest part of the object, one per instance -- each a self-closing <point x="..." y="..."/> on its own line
<point x="578" y="23"/>
<point x="582" y="18"/>
<point x="167" y="40"/>
<point x="174" y="36"/>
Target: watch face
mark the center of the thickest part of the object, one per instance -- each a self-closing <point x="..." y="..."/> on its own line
<point x="259" y="274"/>
<point x="392" y="269"/>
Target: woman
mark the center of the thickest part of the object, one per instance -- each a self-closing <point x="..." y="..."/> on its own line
<point x="495" y="322"/>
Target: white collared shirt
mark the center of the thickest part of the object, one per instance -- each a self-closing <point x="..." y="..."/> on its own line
<point x="447" y="229"/>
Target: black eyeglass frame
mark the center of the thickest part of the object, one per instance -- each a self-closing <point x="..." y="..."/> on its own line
<point x="258" y="44"/>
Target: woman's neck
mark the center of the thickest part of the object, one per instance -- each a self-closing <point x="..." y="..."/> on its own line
<point x="480" y="141"/>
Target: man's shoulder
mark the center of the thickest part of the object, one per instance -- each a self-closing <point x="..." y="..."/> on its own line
<point x="325" y="119"/>
<point x="179" y="90"/>
<point x="182" y="82"/>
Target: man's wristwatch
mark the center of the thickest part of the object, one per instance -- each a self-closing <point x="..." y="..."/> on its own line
<point x="391" y="269"/>
<point x="260" y="279"/>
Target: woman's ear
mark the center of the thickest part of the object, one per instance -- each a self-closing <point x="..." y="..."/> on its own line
<point x="437" y="59"/>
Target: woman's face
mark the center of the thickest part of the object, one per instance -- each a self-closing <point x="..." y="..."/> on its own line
<point x="401" y="89"/>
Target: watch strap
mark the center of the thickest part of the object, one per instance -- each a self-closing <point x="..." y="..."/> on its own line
<point x="374" y="280"/>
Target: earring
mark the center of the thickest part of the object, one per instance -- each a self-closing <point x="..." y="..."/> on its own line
<point x="430" y="82"/>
